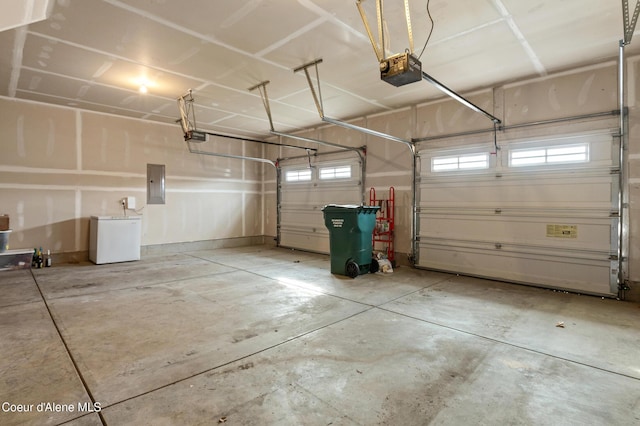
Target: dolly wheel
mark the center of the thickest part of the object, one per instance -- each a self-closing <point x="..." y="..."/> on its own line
<point x="353" y="270"/>
<point x="375" y="266"/>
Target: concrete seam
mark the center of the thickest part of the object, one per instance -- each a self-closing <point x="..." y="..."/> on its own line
<point x="66" y="347"/>
<point x="513" y="345"/>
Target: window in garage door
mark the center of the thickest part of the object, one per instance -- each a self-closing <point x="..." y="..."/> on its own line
<point x="305" y="186"/>
<point x="540" y="212"/>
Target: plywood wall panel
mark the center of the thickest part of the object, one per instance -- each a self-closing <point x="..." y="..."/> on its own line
<point x="386" y="156"/>
<point x="344" y="136"/>
<point x="117" y="144"/>
<point x="193" y="217"/>
<point x="571" y="94"/>
<point x="60" y="166"/>
<point x="449" y="116"/>
<point x="37" y="136"/>
<point x="106" y="202"/>
<point x="270" y="214"/>
<point x="252" y="214"/>
<point x="41" y="218"/>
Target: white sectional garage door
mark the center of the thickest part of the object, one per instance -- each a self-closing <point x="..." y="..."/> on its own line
<point x="541" y="212"/>
<point x="308" y="184"/>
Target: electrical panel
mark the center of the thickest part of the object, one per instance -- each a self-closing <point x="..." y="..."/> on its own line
<point x="401" y="69"/>
<point x="155" y="183"/>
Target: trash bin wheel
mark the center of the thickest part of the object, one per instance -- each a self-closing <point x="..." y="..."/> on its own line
<point x="375" y="266"/>
<point x="352" y="269"/>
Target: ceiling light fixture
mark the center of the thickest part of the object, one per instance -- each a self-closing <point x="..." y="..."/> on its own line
<point x="143" y="84"/>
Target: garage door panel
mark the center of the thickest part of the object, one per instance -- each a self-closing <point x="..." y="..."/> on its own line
<point x="305" y="239"/>
<point x="584" y="234"/>
<point x="334" y="179"/>
<point x="582" y="275"/>
<point x="532" y="212"/>
<point x="319" y="196"/>
<point x="307" y="218"/>
<point x="523" y="249"/>
<point x="550" y="222"/>
<point x="563" y="191"/>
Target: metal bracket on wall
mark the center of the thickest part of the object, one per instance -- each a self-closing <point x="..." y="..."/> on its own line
<point x="187" y="113"/>
<point x="379" y="49"/>
<point x="317" y="98"/>
<point x="629" y="25"/>
<point x="187" y="120"/>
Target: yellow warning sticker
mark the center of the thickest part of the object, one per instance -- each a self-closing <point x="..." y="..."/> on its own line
<point x="562" y="231"/>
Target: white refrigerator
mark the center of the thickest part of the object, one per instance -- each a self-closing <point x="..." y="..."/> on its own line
<point x="114" y="239"/>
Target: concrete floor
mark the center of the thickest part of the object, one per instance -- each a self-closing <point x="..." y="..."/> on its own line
<point x="259" y="335"/>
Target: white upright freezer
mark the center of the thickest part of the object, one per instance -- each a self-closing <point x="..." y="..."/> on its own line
<point x="114" y="239"/>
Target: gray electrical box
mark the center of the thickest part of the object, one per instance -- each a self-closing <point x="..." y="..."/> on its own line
<point x="196" y="136"/>
<point x="401" y="69"/>
<point x="155" y="183"/>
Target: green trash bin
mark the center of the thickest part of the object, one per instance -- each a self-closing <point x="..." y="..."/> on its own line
<point x="350" y="230"/>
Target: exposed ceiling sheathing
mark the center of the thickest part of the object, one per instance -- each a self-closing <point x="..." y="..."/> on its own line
<point x="94" y="54"/>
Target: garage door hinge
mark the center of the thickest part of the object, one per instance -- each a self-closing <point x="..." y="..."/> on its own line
<point x="614" y="214"/>
<point x="613" y="257"/>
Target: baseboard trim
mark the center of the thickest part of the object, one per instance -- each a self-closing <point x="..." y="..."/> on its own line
<point x="201" y="245"/>
<point x="155" y="249"/>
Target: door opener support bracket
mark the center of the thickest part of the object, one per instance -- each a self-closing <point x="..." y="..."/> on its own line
<point x="317" y="98"/>
<point x="262" y="89"/>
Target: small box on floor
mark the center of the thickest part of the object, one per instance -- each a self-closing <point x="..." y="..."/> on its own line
<point x="4" y="222"/>
<point x="15" y="259"/>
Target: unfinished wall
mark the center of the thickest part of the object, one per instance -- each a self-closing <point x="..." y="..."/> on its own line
<point x="582" y="91"/>
<point x="390" y="164"/>
<point x="59" y="166"/>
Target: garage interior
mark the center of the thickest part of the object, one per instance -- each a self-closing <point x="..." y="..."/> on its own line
<point x="221" y="129"/>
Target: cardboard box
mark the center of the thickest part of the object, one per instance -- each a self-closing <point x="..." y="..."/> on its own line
<point x="4" y="222"/>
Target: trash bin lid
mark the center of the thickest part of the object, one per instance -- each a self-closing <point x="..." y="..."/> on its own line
<point x="338" y="207"/>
